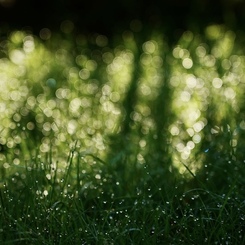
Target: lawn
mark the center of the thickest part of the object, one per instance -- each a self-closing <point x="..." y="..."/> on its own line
<point x="122" y="140"/>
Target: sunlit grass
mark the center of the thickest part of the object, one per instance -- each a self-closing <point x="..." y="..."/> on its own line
<point x="124" y="140"/>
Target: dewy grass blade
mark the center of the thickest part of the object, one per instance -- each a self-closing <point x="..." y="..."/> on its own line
<point x="69" y="165"/>
<point x="194" y="176"/>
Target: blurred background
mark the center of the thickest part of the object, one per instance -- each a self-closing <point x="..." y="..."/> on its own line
<point x="108" y="16"/>
<point x="157" y="82"/>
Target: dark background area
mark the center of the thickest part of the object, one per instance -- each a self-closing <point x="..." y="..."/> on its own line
<point x="109" y="16"/>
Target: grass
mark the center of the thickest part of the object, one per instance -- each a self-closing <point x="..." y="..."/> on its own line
<point x="122" y="141"/>
<point x="108" y="206"/>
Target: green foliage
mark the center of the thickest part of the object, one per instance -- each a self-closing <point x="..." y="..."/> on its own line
<point x="93" y="203"/>
<point x="122" y="141"/>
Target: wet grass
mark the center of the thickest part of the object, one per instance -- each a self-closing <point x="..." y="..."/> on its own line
<point x="115" y="204"/>
<point x="122" y="141"/>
